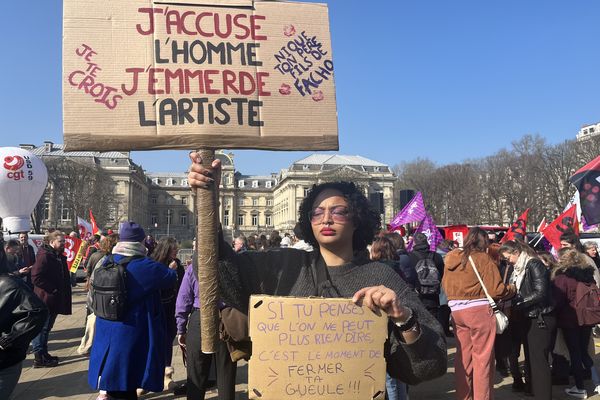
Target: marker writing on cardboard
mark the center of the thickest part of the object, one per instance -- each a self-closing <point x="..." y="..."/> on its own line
<point x="204" y="24"/>
<point x="303" y="59"/>
<point x="87" y="80"/>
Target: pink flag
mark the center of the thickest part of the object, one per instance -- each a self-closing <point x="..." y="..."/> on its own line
<point x="414" y="211"/>
<point x="428" y="227"/>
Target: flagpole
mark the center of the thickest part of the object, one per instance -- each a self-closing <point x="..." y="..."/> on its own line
<point x="540" y="238"/>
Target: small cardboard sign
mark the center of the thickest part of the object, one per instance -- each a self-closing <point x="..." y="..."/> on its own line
<point x="143" y="74"/>
<point x="315" y="348"/>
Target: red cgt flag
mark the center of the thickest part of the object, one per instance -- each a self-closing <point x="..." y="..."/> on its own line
<point x="518" y="228"/>
<point x="565" y="222"/>
<point x="95" y="229"/>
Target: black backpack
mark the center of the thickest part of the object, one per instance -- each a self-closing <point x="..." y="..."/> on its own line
<point x="429" y="275"/>
<point x="109" y="288"/>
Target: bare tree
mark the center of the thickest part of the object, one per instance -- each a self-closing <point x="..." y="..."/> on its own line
<point x="497" y="189"/>
<point x="80" y="185"/>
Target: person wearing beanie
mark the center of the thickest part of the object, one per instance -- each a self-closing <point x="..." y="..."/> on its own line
<point x="130" y="354"/>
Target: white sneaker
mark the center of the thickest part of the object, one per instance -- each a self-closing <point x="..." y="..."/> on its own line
<point x="597" y="390"/>
<point x="577" y="393"/>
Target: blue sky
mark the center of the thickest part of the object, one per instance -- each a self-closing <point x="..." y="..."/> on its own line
<point x="446" y="80"/>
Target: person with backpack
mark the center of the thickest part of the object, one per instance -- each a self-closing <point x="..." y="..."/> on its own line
<point x="472" y="317"/>
<point x="430" y="270"/>
<point x="534" y="303"/>
<point x="129" y="344"/>
<point x="575" y="289"/>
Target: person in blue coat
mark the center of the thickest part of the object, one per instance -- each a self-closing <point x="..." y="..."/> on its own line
<point x="130" y="354"/>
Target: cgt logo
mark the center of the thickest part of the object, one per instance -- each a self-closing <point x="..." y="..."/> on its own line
<point x="13" y="163"/>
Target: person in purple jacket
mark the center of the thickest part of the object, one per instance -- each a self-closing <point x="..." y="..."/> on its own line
<point x="187" y="315"/>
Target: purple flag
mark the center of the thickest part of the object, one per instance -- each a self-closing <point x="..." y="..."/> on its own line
<point x="428" y="227"/>
<point x="414" y="211"/>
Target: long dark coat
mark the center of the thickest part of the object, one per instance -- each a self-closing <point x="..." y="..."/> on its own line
<point x="51" y="280"/>
<point x="130" y="354"/>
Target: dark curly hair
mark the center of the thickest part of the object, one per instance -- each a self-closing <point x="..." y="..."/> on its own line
<point x="366" y="220"/>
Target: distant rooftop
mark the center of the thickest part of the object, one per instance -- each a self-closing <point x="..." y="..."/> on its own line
<point x="335" y="159"/>
<point x="55" y="149"/>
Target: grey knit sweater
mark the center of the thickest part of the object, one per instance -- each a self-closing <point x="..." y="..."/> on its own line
<point x="291" y="272"/>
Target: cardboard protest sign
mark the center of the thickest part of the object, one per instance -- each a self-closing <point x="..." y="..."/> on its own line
<point x="313" y="348"/>
<point x="197" y="74"/>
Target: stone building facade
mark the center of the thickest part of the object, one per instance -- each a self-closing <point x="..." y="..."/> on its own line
<point x="164" y="204"/>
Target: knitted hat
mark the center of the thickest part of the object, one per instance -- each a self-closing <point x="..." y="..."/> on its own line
<point x="131" y="232"/>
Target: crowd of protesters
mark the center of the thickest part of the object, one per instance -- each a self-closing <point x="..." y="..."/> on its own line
<point x="429" y="295"/>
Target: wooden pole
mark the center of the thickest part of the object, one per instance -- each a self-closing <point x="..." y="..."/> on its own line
<point x="207" y="245"/>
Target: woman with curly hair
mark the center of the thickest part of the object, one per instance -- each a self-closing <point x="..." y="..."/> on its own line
<point x="572" y="270"/>
<point x="337" y="220"/>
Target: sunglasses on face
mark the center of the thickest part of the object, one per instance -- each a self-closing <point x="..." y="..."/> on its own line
<point x="337" y="213"/>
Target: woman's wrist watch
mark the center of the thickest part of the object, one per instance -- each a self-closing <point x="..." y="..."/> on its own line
<point x="409" y="324"/>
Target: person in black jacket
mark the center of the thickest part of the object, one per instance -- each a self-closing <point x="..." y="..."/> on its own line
<point x="419" y="252"/>
<point x="534" y="302"/>
<point x="22" y="316"/>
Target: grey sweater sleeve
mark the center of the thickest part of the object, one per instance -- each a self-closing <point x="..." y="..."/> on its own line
<point x="426" y="358"/>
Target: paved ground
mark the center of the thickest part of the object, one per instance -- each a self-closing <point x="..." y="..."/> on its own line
<point x="69" y="379"/>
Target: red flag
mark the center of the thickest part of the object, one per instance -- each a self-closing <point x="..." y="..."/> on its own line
<point x="565" y="222"/>
<point x="543" y="225"/>
<point x="518" y="228"/>
<point x="587" y="182"/>
<point x="72" y="245"/>
<point x="95" y="229"/>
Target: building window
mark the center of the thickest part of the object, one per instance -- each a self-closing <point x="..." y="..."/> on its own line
<point x="255" y="201"/>
<point x="376" y="169"/>
<point x="254" y="219"/>
<point x="155" y="181"/>
<point x="269" y="202"/>
<point x="64" y="213"/>
<point x="170" y="182"/>
<point x="184" y="200"/>
<point x="305" y="167"/>
<point x="183" y="219"/>
<point x="153" y="200"/>
<point x="226" y="217"/>
<point x="229" y="179"/>
<point x="241" y="201"/>
<point x="254" y="184"/>
<point x="184" y="182"/>
<point x="306" y="190"/>
<point x="592" y="130"/>
<point x="268" y="220"/>
<point x="154" y="220"/>
<point x="169" y="200"/>
<point x="240" y="220"/>
<point x="168" y="217"/>
<point x="46" y="208"/>
<point x="112" y="213"/>
<point x="268" y="184"/>
<point x="241" y="183"/>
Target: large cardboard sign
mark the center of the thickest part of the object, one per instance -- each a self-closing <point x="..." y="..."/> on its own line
<point x="143" y="74"/>
<point x="309" y="348"/>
